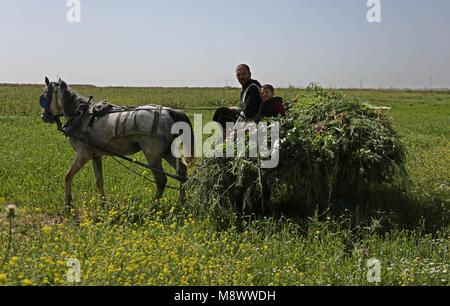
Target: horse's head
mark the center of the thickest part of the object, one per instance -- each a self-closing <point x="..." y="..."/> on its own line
<point x="56" y="100"/>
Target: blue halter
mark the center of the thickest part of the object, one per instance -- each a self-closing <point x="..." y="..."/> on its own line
<point x="45" y="98"/>
<point x="44" y="102"/>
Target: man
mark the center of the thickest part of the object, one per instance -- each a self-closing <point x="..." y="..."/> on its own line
<point x="272" y="106"/>
<point x="251" y="101"/>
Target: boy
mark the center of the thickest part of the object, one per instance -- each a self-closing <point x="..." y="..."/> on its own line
<point x="272" y="106"/>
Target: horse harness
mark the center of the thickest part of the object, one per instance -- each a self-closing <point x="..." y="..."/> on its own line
<point x="127" y="114"/>
<point x="103" y="108"/>
<point x="83" y="110"/>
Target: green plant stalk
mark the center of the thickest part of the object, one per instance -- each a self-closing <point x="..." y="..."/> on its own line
<point x="9" y="242"/>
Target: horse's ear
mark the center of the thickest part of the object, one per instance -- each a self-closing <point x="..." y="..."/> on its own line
<point x="63" y="85"/>
<point x="47" y="81"/>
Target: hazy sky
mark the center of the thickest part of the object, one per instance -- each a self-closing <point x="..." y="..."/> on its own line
<point x="199" y="42"/>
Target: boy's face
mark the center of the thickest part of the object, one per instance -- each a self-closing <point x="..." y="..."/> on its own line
<point x="266" y="94"/>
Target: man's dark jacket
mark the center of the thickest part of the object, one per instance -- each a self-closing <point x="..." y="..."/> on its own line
<point x="251" y="107"/>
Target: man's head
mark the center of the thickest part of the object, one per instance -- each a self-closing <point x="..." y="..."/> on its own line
<point x="243" y="74"/>
<point x="267" y="92"/>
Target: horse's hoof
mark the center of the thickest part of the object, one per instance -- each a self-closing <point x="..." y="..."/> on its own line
<point x="76" y="219"/>
<point x="156" y="202"/>
<point x="183" y="200"/>
<point x="103" y="202"/>
<point x="68" y="211"/>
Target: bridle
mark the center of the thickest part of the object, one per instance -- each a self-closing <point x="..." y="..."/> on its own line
<point x="45" y="101"/>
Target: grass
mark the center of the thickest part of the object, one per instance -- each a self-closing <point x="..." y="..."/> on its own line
<point x="133" y="241"/>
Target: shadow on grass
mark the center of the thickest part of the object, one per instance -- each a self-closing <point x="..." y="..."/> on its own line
<point x="390" y="206"/>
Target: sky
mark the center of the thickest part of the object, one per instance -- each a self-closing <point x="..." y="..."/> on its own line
<point x="198" y="43"/>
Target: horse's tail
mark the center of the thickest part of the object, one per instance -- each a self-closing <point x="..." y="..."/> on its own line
<point x="180" y="116"/>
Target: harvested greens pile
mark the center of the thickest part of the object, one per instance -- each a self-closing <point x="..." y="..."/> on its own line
<point x="333" y="148"/>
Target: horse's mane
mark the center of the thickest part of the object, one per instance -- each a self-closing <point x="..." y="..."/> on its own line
<point x="76" y="97"/>
<point x="72" y="101"/>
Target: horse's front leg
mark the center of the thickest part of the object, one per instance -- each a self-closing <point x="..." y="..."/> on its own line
<point x="77" y="164"/>
<point x="98" y="170"/>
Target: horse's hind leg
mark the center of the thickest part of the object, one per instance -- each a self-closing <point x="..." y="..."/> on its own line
<point x="182" y="170"/>
<point x="160" y="178"/>
<point x="98" y="170"/>
<point x="155" y="162"/>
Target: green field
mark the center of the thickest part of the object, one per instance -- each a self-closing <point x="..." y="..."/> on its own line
<point x="134" y="241"/>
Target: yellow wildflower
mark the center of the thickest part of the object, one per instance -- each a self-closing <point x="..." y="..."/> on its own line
<point x="3" y="278"/>
<point x="27" y="282"/>
<point x="14" y="260"/>
<point x="47" y="230"/>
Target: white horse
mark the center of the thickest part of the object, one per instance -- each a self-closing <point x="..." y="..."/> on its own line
<point x="121" y="131"/>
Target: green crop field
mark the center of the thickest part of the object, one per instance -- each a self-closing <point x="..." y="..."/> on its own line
<point x="134" y="241"/>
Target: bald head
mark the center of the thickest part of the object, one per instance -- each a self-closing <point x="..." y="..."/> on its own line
<point x="243" y="74"/>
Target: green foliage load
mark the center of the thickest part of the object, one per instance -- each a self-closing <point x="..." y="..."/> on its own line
<point x="333" y="148"/>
